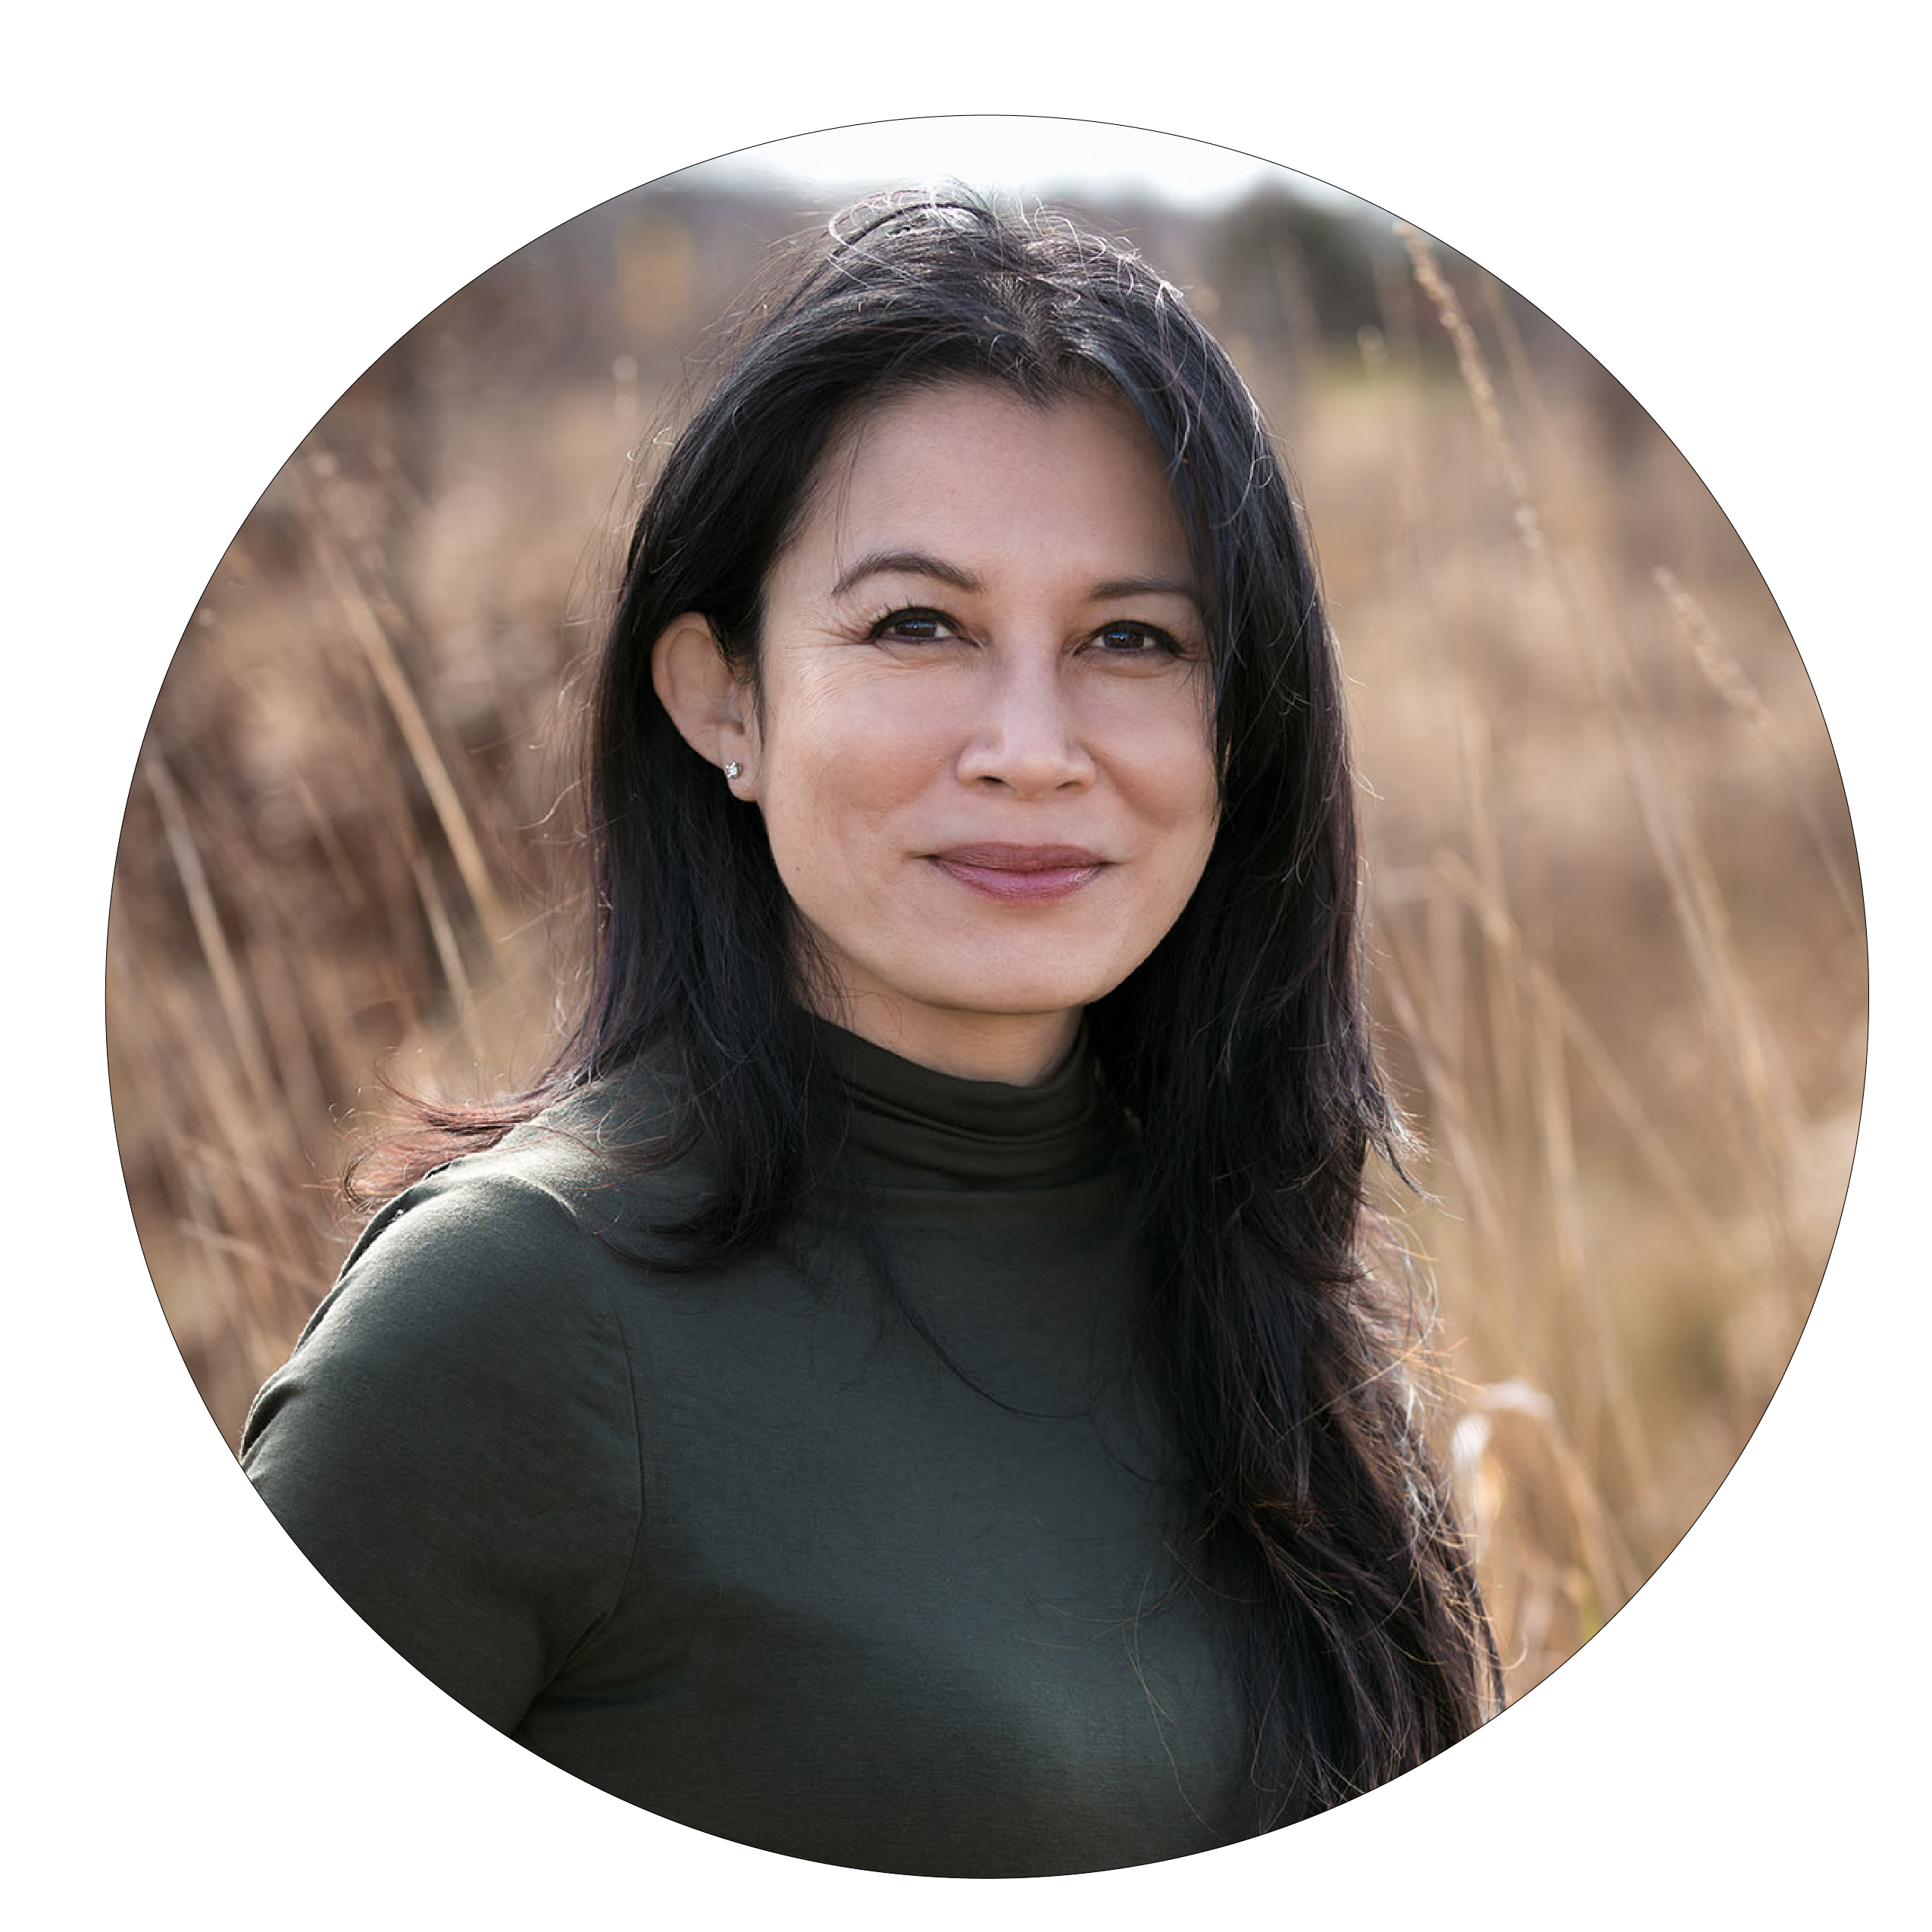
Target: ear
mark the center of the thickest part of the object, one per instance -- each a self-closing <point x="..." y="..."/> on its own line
<point x="710" y="708"/>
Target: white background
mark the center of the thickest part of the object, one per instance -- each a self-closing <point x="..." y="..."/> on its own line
<point x="220" y="216"/>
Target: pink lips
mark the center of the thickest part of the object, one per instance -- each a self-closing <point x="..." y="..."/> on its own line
<point x="1020" y="875"/>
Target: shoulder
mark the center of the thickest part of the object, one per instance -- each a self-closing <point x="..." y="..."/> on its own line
<point x="454" y="1442"/>
<point x="504" y="1269"/>
<point x="537" y="1221"/>
<point x="471" y="1300"/>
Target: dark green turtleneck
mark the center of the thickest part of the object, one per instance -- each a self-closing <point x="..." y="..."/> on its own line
<point x="738" y="1546"/>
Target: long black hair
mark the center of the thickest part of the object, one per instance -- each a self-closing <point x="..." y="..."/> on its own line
<point x="1321" y="1523"/>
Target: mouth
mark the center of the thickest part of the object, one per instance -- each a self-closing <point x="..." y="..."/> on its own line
<point x="1020" y="875"/>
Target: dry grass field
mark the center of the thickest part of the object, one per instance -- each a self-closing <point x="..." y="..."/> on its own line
<point x="1615" y="909"/>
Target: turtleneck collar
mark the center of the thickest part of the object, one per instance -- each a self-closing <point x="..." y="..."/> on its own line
<point x="912" y="1126"/>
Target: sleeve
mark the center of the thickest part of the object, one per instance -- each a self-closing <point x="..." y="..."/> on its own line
<point x="453" y="1443"/>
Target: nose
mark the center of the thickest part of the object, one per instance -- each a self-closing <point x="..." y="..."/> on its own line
<point x="1026" y="738"/>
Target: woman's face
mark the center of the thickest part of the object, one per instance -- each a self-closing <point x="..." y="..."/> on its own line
<point x="981" y="739"/>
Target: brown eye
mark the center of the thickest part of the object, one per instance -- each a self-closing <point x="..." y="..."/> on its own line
<point x="1135" y="640"/>
<point x="911" y="627"/>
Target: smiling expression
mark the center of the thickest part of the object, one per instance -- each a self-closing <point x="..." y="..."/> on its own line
<point x="981" y="739"/>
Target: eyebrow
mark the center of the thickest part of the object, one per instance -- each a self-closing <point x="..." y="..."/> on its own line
<point x="918" y="563"/>
<point x="908" y="563"/>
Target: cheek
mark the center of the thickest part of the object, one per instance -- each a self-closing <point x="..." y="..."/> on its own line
<point x="831" y="781"/>
<point x="1173" y="769"/>
<point x="1189" y="810"/>
<point x="854" y="739"/>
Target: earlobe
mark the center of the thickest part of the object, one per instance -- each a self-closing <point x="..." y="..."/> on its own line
<point x="706" y="703"/>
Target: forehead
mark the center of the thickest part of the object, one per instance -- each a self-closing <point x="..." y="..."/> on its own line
<point x="988" y="476"/>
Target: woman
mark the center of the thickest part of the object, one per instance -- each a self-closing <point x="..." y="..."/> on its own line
<point x="905" y="1390"/>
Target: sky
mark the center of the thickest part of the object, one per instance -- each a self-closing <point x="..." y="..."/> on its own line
<point x="1031" y="155"/>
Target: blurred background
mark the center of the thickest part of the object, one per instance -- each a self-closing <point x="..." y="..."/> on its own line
<point x="1615" y="916"/>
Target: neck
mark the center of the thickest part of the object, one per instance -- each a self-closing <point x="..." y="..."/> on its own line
<point x="1017" y="1049"/>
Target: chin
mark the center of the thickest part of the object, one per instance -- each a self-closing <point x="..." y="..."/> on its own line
<point x="1019" y="995"/>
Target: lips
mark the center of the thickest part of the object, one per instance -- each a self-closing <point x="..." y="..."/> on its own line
<point x="1021" y="858"/>
<point x="1020" y="875"/>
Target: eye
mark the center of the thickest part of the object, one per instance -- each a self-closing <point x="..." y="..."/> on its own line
<point x="912" y="626"/>
<point x="1126" y="640"/>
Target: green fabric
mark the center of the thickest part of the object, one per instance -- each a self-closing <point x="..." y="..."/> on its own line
<point x="738" y="1546"/>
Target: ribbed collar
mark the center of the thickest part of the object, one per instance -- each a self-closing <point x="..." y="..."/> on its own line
<point x="911" y="1126"/>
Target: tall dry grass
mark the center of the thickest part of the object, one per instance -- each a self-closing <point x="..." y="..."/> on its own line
<point x="1616" y="928"/>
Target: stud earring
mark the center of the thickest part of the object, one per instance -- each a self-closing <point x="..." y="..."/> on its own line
<point x="734" y="769"/>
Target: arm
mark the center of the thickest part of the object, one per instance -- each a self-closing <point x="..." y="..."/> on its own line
<point x="453" y="1442"/>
